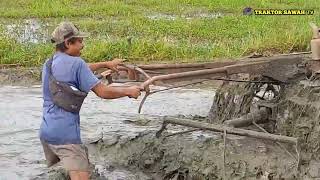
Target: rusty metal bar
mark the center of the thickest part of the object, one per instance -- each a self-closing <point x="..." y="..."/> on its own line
<point x="157" y="69"/>
<point x="231" y="130"/>
<point x="221" y="64"/>
<point x="138" y="69"/>
<point x="232" y="69"/>
<point x="194" y="65"/>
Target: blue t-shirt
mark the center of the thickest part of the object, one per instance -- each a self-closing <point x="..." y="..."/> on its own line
<point x="59" y="126"/>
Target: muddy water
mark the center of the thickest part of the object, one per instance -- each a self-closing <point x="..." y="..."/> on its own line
<point x="21" y="156"/>
<point x="190" y="16"/>
<point x="28" y="31"/>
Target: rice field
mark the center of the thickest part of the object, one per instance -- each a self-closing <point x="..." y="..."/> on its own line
<point x="148" y="31"/>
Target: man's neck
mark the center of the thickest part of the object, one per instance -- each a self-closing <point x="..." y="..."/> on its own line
<point x="66" y="52"/>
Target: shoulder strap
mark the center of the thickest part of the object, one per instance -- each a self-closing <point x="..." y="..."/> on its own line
<point x="49" y="67"/>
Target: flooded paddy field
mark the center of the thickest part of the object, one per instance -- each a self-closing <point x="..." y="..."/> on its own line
<point x="21" y="113"/>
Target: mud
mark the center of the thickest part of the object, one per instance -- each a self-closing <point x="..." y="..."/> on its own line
<point x="205" y="155"/>
<point x="199" y="155"/>
<point x="20" y="76"/>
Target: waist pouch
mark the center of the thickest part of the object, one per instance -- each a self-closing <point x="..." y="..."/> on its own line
<point x="63" y="95"/>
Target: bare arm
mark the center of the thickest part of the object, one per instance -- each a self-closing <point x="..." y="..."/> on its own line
<point x="106" y="64"/>
<point x="109" y="92"/>
<point x="96" y="66"/>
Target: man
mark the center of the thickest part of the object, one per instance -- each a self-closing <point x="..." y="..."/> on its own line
<point x="60" y="129"/>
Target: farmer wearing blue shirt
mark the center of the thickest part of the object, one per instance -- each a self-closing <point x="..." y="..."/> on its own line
<point x="60" y="129"/>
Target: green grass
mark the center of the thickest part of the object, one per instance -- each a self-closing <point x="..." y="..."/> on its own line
<point x="146" y="31"/>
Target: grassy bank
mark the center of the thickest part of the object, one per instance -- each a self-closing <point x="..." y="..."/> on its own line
<point x="147" y="31"/>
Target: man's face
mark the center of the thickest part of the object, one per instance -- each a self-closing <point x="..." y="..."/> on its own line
<point x="74" y="49"/>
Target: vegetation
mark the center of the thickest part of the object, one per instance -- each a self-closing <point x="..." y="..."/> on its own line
<point x="146" y="31"/>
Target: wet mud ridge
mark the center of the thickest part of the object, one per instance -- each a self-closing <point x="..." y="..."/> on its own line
<point x="21" y="76"/>
<point x="280" y="102"/>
